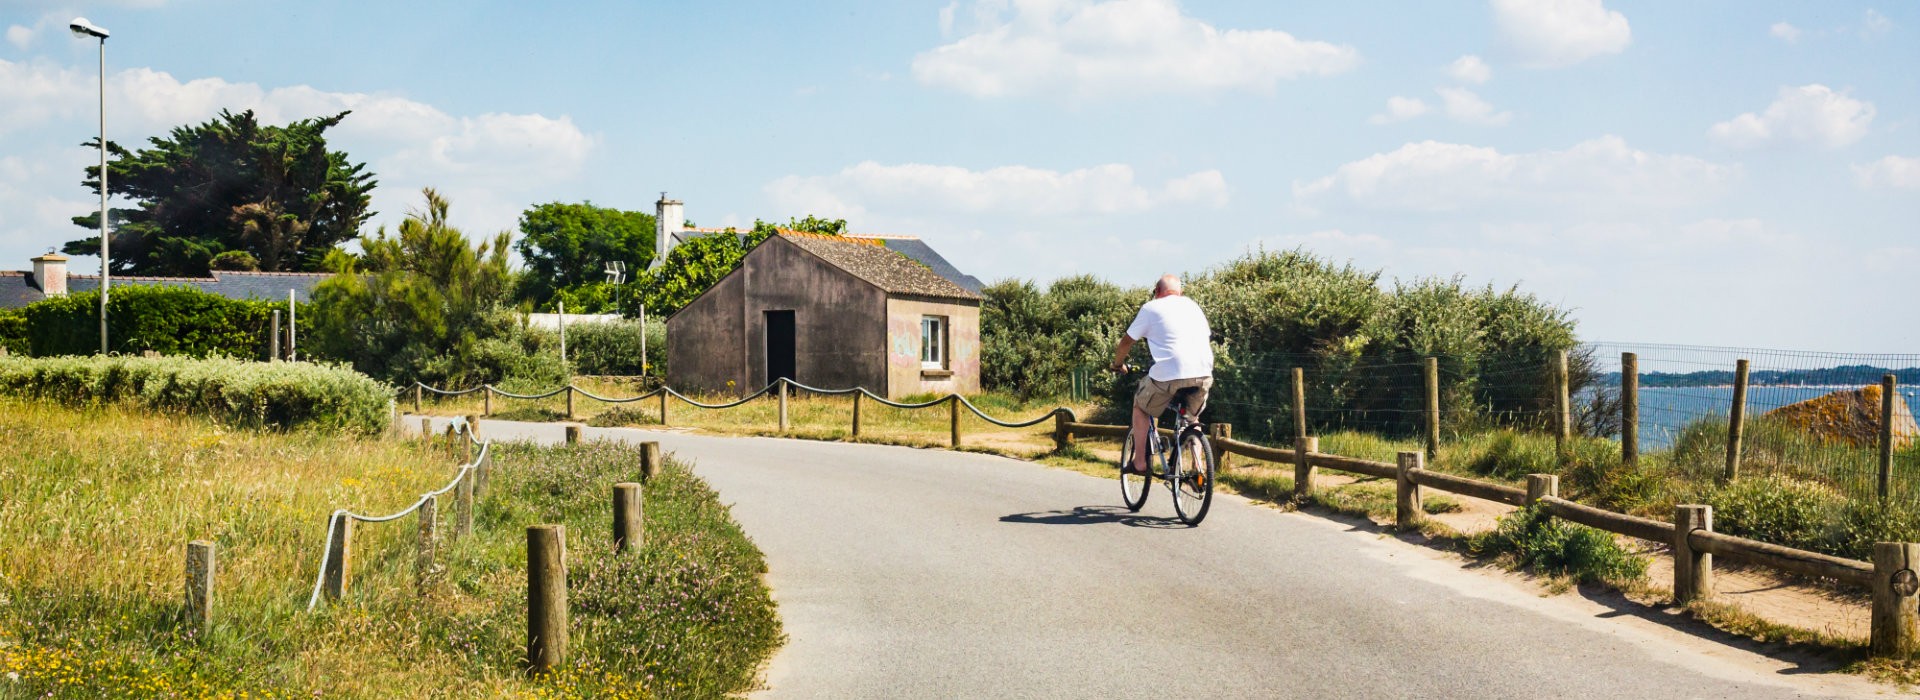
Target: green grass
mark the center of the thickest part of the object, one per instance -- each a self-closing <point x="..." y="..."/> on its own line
<point x="1540" y="543"/>
<point x="102" y="501"/>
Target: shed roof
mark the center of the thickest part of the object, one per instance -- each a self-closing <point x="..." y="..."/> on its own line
<point x="18" y="289"/>
<point x="871" y="260"/>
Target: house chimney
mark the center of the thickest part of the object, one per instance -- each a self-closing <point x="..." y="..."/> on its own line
<point x="669" y="218"/>
<point x="50" y="274"/>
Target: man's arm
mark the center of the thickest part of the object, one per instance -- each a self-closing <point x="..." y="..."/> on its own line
<point x="1120" y="353"/>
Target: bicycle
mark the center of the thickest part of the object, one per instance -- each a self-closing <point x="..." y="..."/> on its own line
<point x="1188" y="469"/>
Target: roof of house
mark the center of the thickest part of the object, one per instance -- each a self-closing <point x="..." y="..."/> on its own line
<point x="926" y="255"/>
<point x="18" y="289"/>
<point x="871" y="259"/>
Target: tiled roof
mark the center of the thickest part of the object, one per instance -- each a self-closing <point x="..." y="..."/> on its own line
<point x="871" y="260"/>
<point x="15" y="291"/>
<point x="926" y="255"/>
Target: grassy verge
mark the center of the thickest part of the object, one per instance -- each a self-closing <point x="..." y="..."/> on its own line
<point x="101" y="502"/>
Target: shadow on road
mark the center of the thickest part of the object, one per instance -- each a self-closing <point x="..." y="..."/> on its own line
<point x="1093" y="515"/>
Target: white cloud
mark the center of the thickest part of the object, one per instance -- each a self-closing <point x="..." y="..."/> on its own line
<point x="1464" y="106"/>
<point x="21" y="37"/>
<point x="1400" y="109"/>
<point x="1086" y="48"/>
<point x="1808" y="114"/>
<point x="1785" y="32"/>
<point x="1470" y="69"/>
<point x="1875" y="25"/>
<point x="1602" y="175"/>
<point x="871" y="187"/>
<point x="1892" y="172"/>
<point x="1555" y="33"/>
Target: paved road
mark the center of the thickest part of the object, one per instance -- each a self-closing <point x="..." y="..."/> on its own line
<point x="926" y="573"/>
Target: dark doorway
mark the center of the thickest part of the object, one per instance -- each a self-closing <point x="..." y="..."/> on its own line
<point x="780" y="344"/>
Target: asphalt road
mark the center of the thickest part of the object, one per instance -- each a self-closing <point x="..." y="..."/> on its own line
<point x="926" y="573"/>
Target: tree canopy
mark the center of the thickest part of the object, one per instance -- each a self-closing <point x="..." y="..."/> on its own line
<point x="230" y="184"/>
<point x="694" y="266"/>
<point x="566" y="248"/>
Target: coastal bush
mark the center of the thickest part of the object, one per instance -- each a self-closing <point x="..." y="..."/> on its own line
<point x="167" y="320"/>
<point x="13" y="332"/>
<point x="252" y="394"/>
<point x="1543" y="544"/>
<point x="614" y="348"/>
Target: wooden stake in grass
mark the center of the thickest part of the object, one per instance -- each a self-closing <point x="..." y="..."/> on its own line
<point x="199" y="587"/>
<point x="663" y="405"/>
<point x="1887" y="394"/>
<point x="339" y="572"/>
<point x="426" y="429"/>
<point x="1736" y="419"/>
<point x="1562" y="410"/>
<point x="953" y="420"/>
<point x="1433" y="408"/>
<point x="1062" y="437"/>
<point x="649" y="461"/>
<point x="569" y="402"/>
<point x="628" y="525"/>
<point x="1303" y="449"/>
<point x="426" y="545"/>
<point x="856" y="414"/>
<point x="486" y="400"/>
<point x="416" y="397"/>
<point x="1406" y="510"/>
<point x="1299" y="402"/>
<point x="1541" y="486"/>
<point x="573" y="435"/>
<point x="273" y="340"/>
<point x="1896" y="591"/>
<point x="463" y="506"/>
<point x="546" y="598"/>
<point x="1692" y="568"/>
<point x="1222" y="431"/>
<point x="1630" y="409"/>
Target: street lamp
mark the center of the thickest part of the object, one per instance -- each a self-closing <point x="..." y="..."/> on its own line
<point x="83" y="29"/>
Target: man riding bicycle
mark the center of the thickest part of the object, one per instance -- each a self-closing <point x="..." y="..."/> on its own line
<point x="1178" y="336"/>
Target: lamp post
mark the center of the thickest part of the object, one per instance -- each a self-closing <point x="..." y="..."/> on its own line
<point x="83" y="29"/>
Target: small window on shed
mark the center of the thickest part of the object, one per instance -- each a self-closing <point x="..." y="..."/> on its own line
<point x="933" y="342"/>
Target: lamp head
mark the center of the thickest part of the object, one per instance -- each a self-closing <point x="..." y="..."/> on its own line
<point x="83" y="29"/>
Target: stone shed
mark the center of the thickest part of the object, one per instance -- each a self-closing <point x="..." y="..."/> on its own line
<point x="831" y="312"/>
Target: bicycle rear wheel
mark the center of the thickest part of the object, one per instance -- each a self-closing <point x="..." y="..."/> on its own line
<point x="1133" y="487"/>
<point x="1193" y="478"/>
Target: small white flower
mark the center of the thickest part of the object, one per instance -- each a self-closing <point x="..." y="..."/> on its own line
<point x="12" y="676"/>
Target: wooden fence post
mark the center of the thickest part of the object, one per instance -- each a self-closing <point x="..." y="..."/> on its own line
<point x="1222" y="431"/>
<point x="783" y="403"/>
<point x="1692" y="568"/>
<point x="1407" y="511"/>
<point x="569" y="401"/>
<point x="1896" y="591"/>
<point x="1541" y="486"/>
<point x="1562" y="410"/>
<point x="1887" y="387"/>
<point x="426" y="429"/>
<point x="953" y="421"/>
<point x="427" y="545"/>
<point x="573" y="435"/>
<point x="1303" y="449"/>
<point x="416" y="398"/>
<point x="273" y="341"/>
<point x="1062" y="436"/>
<point x="546" y="598"/>
<point x="1737" y="419"/>
<point x="199" y="587"/>
<point x="628" y="526"/>
<point x="649" y="461"/>
<point x="466" y="442"/>
<point x="856" y="414"/>
<point x="1630" y="409"/>
<point x="1299" y="402"/>
<point x="339" y="573"/>
<point x="663" y="405"/>
<point x="486" y="406"/>
<point x="463" y="506"/>
<point x="1433" y="408"/>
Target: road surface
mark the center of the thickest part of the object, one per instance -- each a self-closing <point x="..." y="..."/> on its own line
<point x="903" y="572"/>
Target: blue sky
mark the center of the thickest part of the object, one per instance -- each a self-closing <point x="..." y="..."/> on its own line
<point x="1717" y="173"/>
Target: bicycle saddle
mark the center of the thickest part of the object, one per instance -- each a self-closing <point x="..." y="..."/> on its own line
<point x="1180" y="397"/>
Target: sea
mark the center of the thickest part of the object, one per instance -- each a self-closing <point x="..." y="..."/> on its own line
<point x="1665" y="410"/>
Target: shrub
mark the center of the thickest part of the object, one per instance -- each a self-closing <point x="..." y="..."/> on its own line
<point x="255" y="394"/>
<point x="167" y="320"/>
<point x="614" y="348"/>
<point x="1544" y="544"/>
<point x="13" y="332"/>
<point x="1782" y="511"/>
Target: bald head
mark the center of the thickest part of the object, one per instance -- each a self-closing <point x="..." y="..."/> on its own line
<point x="1168" y="285"/>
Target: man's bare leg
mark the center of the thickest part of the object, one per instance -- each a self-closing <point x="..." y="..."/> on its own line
<point x="1142" y="441"/>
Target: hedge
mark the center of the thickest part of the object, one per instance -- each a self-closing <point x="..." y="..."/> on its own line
<point x="167" y="320"/>
<point x="251" y="394"/>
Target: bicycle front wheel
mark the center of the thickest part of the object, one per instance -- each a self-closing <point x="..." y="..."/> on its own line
<point x="1133" y="487"/>
<point x="1193" y="478"/>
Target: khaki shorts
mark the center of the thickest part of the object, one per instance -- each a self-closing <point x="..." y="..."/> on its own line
<point x="1153" y="396"/>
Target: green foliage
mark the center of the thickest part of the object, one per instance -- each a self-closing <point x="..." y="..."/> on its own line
<point x="238" y="260"/>
<point x="417" y="306"/>
<point x="253" y="394"/>
<point x="693" y="267"/>
<point x="1781" y="511"/>
<point x="13" y="332"/>
<point x="614" y="348"/>
<point x="1031" y="340"/>
<point x="1544" y="544"/>
<point x="566" y="248"/>
<point x="167" y="320"/>
<point x="230" y="184"/>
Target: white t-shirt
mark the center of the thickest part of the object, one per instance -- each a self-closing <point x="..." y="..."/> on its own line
<point x="1177" y="334"/>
